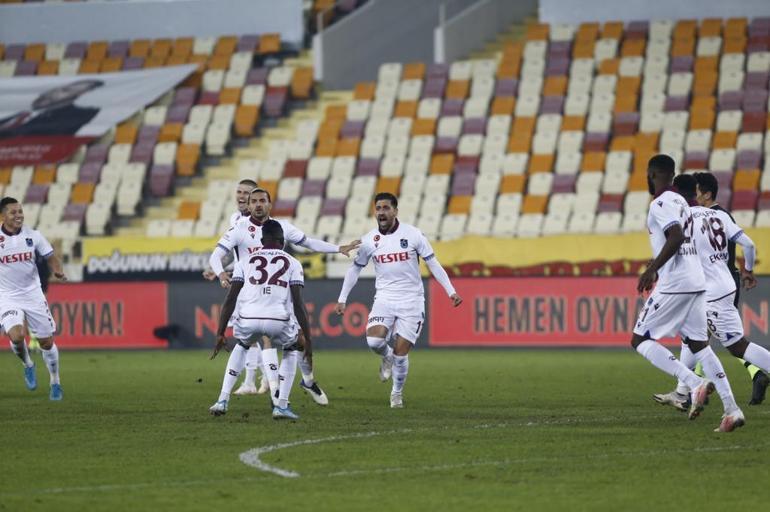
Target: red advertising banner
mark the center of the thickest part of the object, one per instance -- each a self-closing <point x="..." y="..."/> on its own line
<point x="109" y="315"/>
<point x="550" y="311"/>
<point x="535" y="311"/>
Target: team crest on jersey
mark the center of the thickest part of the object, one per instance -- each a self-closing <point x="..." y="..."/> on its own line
<point x="2" y="242"/>
<point x="404" y="243"/>
<point x="30" y="243"/>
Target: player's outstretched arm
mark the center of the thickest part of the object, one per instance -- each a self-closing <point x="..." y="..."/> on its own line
<point x="54" y="264"/>
<point x="674" y="240"/>
<point x="351" y="278"/>
<point x="443" y="278"/>
<point x="224" y="315"/>
<point x="301" y="313"/>
<point x="321" y="246"/>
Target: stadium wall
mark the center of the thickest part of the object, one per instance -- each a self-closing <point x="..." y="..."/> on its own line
<point x="93" y="21"/>
<point x="460" y="35"/>
<point x="589" y="312"/>
<point x="579" y="11"/>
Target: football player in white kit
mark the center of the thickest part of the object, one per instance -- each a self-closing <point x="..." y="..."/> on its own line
<point x="21" y="297"/>
<point x="245" y="240"/>
<point x="398" y="312"/>
<point x="266" y="296"/>
<point x="254" y="362"/>
<point x="713" y="229"/>
<point x="707" y="189"/>
<point x="678" y="303"/>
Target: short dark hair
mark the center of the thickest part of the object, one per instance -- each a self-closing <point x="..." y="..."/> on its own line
<point x="272" y="229"/>
<point x="249" y="182"/>
<point x="685" y="185"/>
<point x="662" y="163"/>
<point x="269" y="199"/>
<point x="707" y="182"/>
<point x="386" y="196"/>
<point x="6" y="201"/>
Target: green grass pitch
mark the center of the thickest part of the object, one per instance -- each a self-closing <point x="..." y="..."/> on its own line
<point x="482" y="430"/>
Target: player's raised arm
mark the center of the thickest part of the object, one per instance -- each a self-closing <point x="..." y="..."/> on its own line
<point x="425" y="251"/>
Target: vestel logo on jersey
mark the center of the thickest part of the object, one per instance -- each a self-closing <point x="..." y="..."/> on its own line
<point x="392" y="257"/>
<point x="16" y="258"/>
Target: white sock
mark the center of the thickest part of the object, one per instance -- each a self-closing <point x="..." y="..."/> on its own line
<point x="379" y="346"/>
<point x="22" y="354"/>
<point x="712" y="368"/>
<point x="270" y="369"/>
<point x="287" y="373"/>
<point x="234" y="368"/>
<point x="662" y="359"/>
<point x="253" y="362"/>
<point x="51" y="358"/>
<point x="688" y="359"/>
<point x="400" y="371"/>
<point x="758" y="356"/>
<point x="307" y="371"/>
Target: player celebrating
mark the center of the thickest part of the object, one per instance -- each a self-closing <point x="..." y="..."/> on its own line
<point x="254" y="362"/>
<point x="713" y="229"/>
<point x="678" y="305"/>
<point x="399" y="305"/>
<point x="267" y="288"/>
<point x="21" y="297"/>
<point x="242" y="192"/>
<point x="245" y="239"/>
<point x="706" y="194"/>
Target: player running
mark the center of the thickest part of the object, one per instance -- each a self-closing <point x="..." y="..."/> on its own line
<point x="21" y="297"/>
<point x="254" y="362"/>
<point x="267" y="289"/>
<point x="678" y="304"/>
<point x="707" y="189"/>
<point x="713" y="229"/>
<point x="399" y="304"/>
<point x="245" y="240"/>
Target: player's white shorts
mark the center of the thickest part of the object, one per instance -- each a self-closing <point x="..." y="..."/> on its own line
<point x="724" y="321"/>
<point x="665" y="315"/>
<point x="251" y="330"/>
<point x="404" y="318"/>
<point x="35" y="310"/>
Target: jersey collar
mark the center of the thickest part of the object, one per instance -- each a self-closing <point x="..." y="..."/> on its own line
<point x="5" y="232"/>
<point x="256" y="222"/>
<point x="391" y="231"/>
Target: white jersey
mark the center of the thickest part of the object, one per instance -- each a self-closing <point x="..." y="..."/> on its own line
<point x="396" y="261"/>
<point x="682" y="273"/>
<point x="234" y="218"/>
<point x="18" y="272"/>
<point x="713" y="229"/>
<point x="245" y="238"/>
<point x="267" y="277"/>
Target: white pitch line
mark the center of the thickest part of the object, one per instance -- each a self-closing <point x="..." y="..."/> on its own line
<point x="252" y="457"/>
